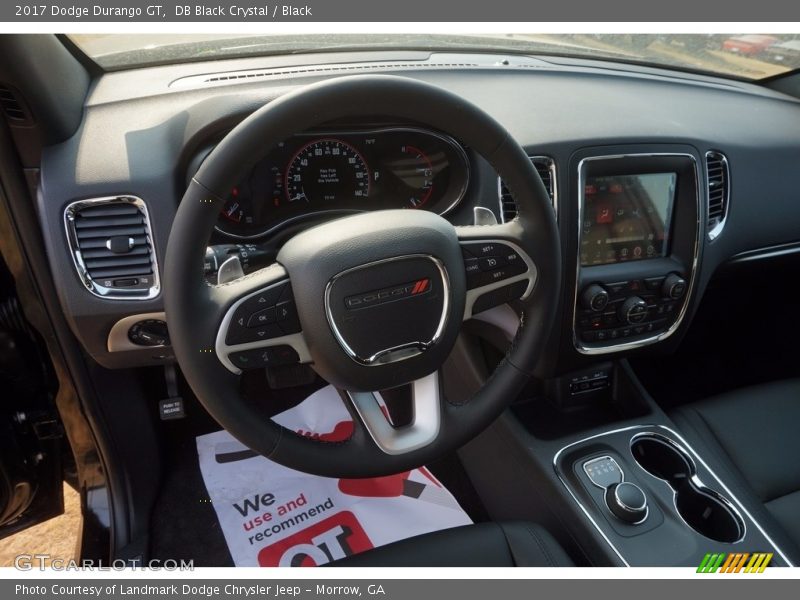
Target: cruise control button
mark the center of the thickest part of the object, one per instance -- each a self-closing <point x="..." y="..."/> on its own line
<point x="472" y="266"/>
<point x="490" y="263"/>
<point x="481" y="249"/>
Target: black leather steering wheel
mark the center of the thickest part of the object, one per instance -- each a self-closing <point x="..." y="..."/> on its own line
<point x="371" y="301"/>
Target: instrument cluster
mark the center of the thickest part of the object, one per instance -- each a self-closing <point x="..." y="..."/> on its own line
<point x="332" y="173"/>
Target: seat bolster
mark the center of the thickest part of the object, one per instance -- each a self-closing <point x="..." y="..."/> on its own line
<point x="480" y="545"/>
<point x="533" y="546"/>
<point x="693" y="427"/>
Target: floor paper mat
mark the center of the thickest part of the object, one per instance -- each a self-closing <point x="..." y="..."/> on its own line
<point x="275" y="516"/>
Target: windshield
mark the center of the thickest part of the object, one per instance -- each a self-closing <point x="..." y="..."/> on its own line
<point x="746" y="56"/>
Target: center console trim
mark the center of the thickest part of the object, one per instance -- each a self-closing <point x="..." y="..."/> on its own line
<point x="633" y="345"/>
<point x="731" y="497"/>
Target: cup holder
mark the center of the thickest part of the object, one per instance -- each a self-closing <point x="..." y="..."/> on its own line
<point x="701" y="508"/>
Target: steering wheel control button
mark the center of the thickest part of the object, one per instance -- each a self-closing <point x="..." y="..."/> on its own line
<point x="603" y="471"/>
<point x="488" y="262"/>
<point x="262" y="317"/>
<point x="286" y="317"/>
<point x="257" y="318"/>
<point x="627" y="502"/>
<point x="258" y="358"/>
<point x="595" y="297"/>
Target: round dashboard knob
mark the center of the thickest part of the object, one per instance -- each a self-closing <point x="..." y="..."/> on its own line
<point x="627" y="502"/>
<point x="674" y="286"/>
<point x="595" y="297"/>
<point x="633" y="310"/>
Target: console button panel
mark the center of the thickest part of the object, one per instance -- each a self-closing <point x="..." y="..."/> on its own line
<point x="636" y="309"/>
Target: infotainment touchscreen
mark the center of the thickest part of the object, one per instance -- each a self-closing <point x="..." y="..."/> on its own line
<point x="626" y="217"/>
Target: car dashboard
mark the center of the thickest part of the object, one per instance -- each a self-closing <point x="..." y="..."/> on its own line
<point x="657" y="177"/>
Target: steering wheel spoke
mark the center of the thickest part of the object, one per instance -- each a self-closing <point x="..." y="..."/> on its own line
<point x="497" y="266"/>
<point x="421" y="431"/>
<point x="260" y="328"/>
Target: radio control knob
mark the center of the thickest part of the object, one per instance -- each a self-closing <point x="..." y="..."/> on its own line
<point x="595" y="297"/>
<point x="674" y="287"/>
<point x="633" y="310"/>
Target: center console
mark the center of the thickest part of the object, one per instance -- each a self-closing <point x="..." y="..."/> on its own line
<point x="586" y="449"/>
<point x="638" y="229"/>
<point x="655" y="501"/>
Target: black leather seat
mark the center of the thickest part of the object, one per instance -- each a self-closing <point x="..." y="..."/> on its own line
<point x="516" y="544"/>
<point x="753" y="434"/>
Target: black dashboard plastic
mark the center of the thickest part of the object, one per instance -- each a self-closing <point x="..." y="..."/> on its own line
<point x="138" y="135"/>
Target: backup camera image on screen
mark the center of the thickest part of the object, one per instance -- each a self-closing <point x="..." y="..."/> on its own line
<point x="626" y="217"/>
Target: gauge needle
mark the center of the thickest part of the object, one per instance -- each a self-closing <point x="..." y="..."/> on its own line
<point x="298" y="197"/>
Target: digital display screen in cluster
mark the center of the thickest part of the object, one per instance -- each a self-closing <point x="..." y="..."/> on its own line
<point x="626" y="217"/>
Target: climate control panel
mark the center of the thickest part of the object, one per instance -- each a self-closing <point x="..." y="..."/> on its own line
<point x="614" y="312"/>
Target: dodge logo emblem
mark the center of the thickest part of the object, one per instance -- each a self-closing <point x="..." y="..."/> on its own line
<point x="389" y="294"/>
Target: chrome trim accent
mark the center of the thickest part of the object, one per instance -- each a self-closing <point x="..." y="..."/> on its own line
<point x="701" y="487"/>
<point x="551" y="166"/>
<point x="118" y="340"/>
<point x="458" y="148"/>
<point x="714" y="233"/>
<point x="531" y="275"/>
<point x="731" y="496"/>
<point x="620" y="503"/>
<point x="765" y="253"/>
<point x="483" y="216"/>
<point x="633" y="345"/>
<point x="77" y="258"/>
<point x="423" y="429"/>
<point x="229" y="270"/>
<point x="295" y="340"/>
<point x="628" y="509"/>
<point x="404" y="351"/>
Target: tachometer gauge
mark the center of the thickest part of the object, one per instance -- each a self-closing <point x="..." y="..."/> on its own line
<point x="328" y="172"/>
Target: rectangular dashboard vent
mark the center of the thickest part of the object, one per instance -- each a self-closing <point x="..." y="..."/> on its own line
<point x="112" y="247"/>
<point x="718" y="192"/>
<point x="546" y="167"/>
<point x="12" y="106"/>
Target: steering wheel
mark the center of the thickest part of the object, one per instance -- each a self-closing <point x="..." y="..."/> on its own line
<point x="371" y="301"/>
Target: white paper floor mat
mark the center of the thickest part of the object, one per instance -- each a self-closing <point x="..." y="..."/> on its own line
<point x="274" y="516"/>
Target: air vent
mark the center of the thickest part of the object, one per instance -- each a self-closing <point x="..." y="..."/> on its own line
<point x="546" y="167"/>
<point x="112" y="246"/>
<point x="718" y="192"/>
<point x="13" y="107"/>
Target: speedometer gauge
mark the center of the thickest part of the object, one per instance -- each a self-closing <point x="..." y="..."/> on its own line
<point x="326" y="172"/>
